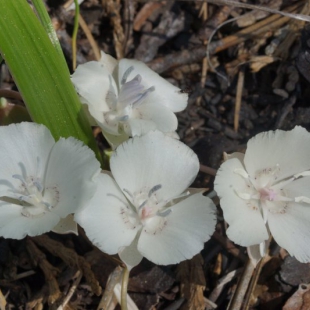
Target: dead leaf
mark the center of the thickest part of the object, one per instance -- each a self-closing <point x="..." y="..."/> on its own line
<point x="193" y="283"/>
<point x="259" y="62"/>
<point x="2" y="301"/>
<point x="300" y="300"/>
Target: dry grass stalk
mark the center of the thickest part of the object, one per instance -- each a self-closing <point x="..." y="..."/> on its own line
<point x="90" y="37"/>
<point x="238" y="102"/>
<point x="113" y="9"/>
<point x="107" y="296"/>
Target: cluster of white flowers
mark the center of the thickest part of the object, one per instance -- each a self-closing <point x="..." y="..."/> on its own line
<point x="143" y="207"/>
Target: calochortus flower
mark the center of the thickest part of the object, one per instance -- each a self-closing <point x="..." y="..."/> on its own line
<point x="145" y="209"/>
<point x="42" y="182"/>
<point x="126" y="98"/>
<point x="267" y="190"/>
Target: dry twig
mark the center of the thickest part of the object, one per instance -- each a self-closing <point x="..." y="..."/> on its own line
<point x="113" y="8"/>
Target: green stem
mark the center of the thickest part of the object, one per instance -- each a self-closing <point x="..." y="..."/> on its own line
<point x="124" y="288"/>
<point x="48" y="26"/>
<point x="75" y="31"/>
<point x="40" y="74"/>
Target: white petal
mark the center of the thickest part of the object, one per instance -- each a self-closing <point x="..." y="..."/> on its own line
<point x="246" y="223"/>
<point x="25" y="149"/>
<point x="138" y="127"/>
<point x="173" y="134"/>
<point x="108" y="61"/>
<point x="72" y="167"/>
<point x="66" y="226"/>
<point x="165" y="93"/>
<point x="102" y="218"/>
<point x="115" y="140"/>
<point x="288" y="149"/>
<point x="16" y="226"/>
<point x="154" y="159"/>
<point x="94" y="84"/>
<point x="237" y="155"/>
<point x="190" y="224"/>
<point x="298" y="188"/>
<point x="164" y="119"/>
<point x="130" y="255"/>
<point x="290" y="230"/>
<point x="72" y="6"/>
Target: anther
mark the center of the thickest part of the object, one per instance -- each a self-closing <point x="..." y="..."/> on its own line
<point x="154" y="189"/>
<point x="143" y="204"/>
<point x="126" y="74"/>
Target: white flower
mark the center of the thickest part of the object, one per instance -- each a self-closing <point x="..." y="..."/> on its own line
<point x="268" y="189"/>
<point x="72" y="5"/>
<point x="126" y="98"/>
<point x="42" y="182"/>
<point x="144" y="211"/>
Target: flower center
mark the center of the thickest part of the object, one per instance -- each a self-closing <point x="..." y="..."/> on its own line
<point x="31" y="194"/>
<point x="131" y="95"/>
<point x="146" y="210"/>
<point x="261" y="190"/>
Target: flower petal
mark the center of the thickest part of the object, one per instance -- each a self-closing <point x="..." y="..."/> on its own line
<point x="130" y="255"/>
<point x="288" y="149"/>
<point x="66" y="226"/>
<point x="290" y="230"/>
<point x="25" y="149"/>
<point x="16" y="226"/>
<point x="108" y="61"/>
<point x="95" y="86"/>
<point x="246" y="223"/>
<point x="165" y="120"/>
<point x="154" y="159"/>
<point x="165" y="93"/>
<point x="103" y="220"/>
<point x="138" y="127"/>
<point x="72" y="168"/>
<point x="190" y="224"/>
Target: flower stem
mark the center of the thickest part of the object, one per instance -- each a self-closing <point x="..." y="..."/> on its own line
<point x="124" y="288"/>
<point x="75" y="31"/>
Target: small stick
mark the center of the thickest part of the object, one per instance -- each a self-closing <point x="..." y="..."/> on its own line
<point x="71" y="291"/>
<point x="90" y="37"/>
<point x="165" y="63"/>
<point x="107" y="296"/>
<point x="240" y="85"/>
<point x="237" y="299"/>
<point x="253" y="283"/>
<point x="12" y="94"/>
<point x="124" y="288"/>
<point x="204" y="69"/>
<point x="207" y="170"/>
